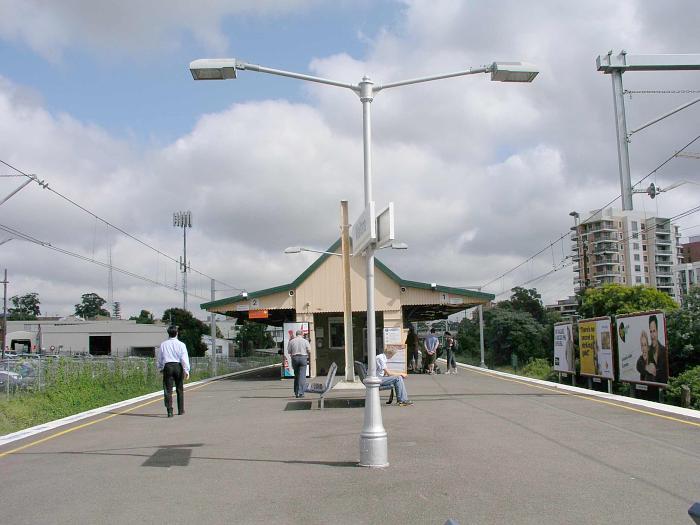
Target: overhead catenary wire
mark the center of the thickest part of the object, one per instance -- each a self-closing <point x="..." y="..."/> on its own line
<point x="681" y="215"/>
<point x="24" y="236"/>
<point x="598" y="210"/>
<point x="46" y="186"/>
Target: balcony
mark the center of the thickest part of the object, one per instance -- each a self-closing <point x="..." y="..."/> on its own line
<point x="663" y="273"/>
<point x="603" y="226"/>
<point x="605" y="237"/>
<point x="606" y="260"/>
<point x="606" y="248"/>
<point x="663" y="261"/>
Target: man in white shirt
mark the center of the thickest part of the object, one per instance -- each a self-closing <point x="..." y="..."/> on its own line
<point x="174" y="363"/>
<point x="394" y="379"/>
<point x="299" y="348"/>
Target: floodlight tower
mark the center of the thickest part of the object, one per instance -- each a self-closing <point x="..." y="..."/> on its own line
<point x="183" y="219"/>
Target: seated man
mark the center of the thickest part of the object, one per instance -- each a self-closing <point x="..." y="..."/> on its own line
<point x="394" y="379"/>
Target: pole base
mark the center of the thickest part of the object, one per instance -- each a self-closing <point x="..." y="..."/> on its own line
<point x="374" y="451"/>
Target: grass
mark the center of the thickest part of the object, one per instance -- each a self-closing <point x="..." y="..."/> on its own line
<point x="69" y="387"/>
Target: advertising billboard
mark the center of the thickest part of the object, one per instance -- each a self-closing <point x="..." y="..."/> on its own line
<point x="595" y="347"/>
<point x="563" y="348"/>
<point x="395" y="349"/>
<point x="642" y="348"/>
<point x="289" y="331"/>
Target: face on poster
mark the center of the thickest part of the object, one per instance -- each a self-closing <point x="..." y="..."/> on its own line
<point x="595" y="347"/>
<point x="641" y="343"/>
<point x="563" y="347"/>
<point x="290" y="330"/>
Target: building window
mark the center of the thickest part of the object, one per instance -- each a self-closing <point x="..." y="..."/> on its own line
<point x="636" y="257"/>
<point x="645" y="258"/>
<point x="635" y="245"/>
<point x="637" y="268"/>
<point x="635" y="227"/>
<point x="619" y="235"/>
<point x="646" y="269"/>
<point x="638" y="279"/>
<point x="644" y="247"/>
<point x="636" y="236"/>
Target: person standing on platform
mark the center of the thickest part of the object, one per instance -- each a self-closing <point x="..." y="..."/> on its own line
<point x="431" y="345"/>
<point x="413" y="353"/>
<point x="299" y="348"/>
<point x="174" y="363"/>
<point x="451" y="346"/>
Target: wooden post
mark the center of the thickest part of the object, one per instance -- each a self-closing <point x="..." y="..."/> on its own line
<point x="347" y="314"/>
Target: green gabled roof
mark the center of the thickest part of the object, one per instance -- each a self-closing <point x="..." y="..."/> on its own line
<point x="318" y="262"/>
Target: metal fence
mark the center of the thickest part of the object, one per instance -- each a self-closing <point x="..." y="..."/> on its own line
<point x="36" y="373"/>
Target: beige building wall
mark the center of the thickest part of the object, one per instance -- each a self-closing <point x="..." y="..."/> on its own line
<point x="323" y="291"/>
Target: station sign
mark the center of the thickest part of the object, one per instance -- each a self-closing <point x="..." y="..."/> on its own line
<point x="364" y="230"/>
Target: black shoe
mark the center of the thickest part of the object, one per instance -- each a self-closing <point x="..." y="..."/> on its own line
<point x="181" y="413"/>
<point x="170" y="412"/>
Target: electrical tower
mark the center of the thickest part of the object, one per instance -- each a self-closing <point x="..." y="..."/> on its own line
<point x="183" y="219"/>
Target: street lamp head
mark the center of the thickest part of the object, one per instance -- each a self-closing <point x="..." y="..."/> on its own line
<point x="213" y="68"/>
<point x="292" y="249"/>
<point x="574" y="214"/>
<point x="399" y="246"/>
<point x="513" y="72"/>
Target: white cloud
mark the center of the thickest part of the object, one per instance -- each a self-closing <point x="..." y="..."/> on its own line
<point x="128" y="26"/>
<point x="482" y="174"/>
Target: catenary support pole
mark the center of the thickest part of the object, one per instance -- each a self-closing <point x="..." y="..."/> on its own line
<point x="213" y="333"/>
<point x="623" y="154"/>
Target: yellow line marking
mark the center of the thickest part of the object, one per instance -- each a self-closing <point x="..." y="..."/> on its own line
<point x="89" y="423"/>
<point x="588" y="398"/>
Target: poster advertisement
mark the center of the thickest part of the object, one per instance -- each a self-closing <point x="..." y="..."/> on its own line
<point x="595" y="347"/>
<point x="563" y="348"/>
<point x="395" y="349"/>
<point x="642" y="344"/>
<point x="289" y="330"/>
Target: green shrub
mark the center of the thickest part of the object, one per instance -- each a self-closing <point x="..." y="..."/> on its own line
<point x="539" y="368"/>
<point x="691" y="378"/>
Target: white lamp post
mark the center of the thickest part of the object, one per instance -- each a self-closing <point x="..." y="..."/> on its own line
<point x="373" y="438"/>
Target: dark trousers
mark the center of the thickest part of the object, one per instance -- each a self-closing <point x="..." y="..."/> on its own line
<point x="173" y="373"/>
<point x="299" y="363"/>
<point x="451" y="359"/>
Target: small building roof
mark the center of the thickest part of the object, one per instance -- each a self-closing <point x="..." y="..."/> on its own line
<point x="472" y="294"/>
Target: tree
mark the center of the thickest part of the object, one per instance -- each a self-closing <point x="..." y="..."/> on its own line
<point x="253" y="335"/>
<point x="91" y="306"/>
<point x="191" y="330"/>
<point x="468" y="337"/>
<point x="24" y="307"/>
<point x="526" y="300"/>
<point x="145" y="317"/>
<point x="615" y="299"/>
<point x="684" y="334"/>
<point x="509" y="332"/>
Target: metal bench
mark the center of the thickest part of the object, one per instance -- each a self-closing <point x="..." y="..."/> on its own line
<point x="361" y="371"/>
<point x="322" y="388"/>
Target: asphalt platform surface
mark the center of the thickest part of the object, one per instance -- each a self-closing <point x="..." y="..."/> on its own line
<point x="476" y="448"/>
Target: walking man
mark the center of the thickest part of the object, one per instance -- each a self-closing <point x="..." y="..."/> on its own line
<point x="299" y="348"/>
<point x="174" y="363"/>
<point x="431" y="345"/>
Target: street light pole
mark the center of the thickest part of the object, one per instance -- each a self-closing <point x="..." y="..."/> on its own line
<point x="373" y="438"/>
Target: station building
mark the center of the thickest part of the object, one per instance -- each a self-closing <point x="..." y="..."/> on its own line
<point x="316" y="297"/>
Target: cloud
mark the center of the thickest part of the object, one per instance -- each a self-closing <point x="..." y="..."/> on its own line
<point x="129" y="26"/>
<point x="483" y="175"/>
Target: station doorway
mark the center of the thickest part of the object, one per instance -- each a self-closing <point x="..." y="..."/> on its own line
<point x="100" y="344"/>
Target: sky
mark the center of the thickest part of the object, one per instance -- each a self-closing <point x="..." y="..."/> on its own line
<point x="97" y="101"/>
